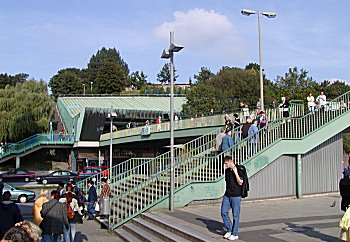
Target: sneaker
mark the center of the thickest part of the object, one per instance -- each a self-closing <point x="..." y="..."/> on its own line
<point x="233" y="237"/>
<point x="228" y="234"/>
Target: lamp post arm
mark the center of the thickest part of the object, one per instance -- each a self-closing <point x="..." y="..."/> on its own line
<point x="260" y="66"/>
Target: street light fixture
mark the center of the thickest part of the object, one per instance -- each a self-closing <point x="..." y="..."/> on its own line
<point x="248" y="12"/>
<point x="169" y="54"/>
<point x="111" y="115"/>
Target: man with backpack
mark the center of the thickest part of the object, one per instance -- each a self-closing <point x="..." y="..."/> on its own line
<point x="232" y="198"/>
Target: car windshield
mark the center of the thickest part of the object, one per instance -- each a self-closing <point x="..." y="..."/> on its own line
<point x="7" y="186"/>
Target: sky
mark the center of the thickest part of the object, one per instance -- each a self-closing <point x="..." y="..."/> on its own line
<point x="42" y="37"/>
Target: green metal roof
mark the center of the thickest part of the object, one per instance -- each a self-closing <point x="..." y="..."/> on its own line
<point x="75" y="105"/>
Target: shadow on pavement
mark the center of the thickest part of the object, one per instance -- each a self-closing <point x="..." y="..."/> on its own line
<point x="79" y="237"/>
<point x="213" y="226"/>
<point x="310" y="232"/>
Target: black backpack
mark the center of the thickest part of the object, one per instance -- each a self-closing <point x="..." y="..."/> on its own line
<point x="245" y="185"/>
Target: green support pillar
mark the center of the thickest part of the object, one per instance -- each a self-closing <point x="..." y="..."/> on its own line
<point x="298" y="175"/>
<point x="73" y="160"/>
<point x="99" y="157"/>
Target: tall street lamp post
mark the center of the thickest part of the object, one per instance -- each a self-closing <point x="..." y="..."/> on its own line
<point x="169" y="54"/>
<point x="111" y="115"/>
<point x="84" y="88"/>
<point x="91" y="87"/>
<point x="248" y="12"/>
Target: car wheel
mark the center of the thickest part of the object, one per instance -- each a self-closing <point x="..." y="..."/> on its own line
<point x="44" y="181"/>
<point x="26" y="179"/>
<point x="23" y="199"/>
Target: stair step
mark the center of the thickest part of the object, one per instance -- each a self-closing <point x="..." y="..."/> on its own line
<point x="127" y="236"/>
<point x="141" y="234"/>
<point x="160" y="232"/>
<point x="179" y="229"/>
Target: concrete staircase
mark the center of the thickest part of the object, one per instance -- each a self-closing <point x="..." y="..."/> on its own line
<point x="161" y="227"/>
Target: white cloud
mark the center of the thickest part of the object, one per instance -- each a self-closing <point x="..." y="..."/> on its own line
<point x="203" y="32"/>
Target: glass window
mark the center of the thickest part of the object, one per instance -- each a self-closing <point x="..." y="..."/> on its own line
<point x="65" y="173"/>
<point x="21" y="172"/>
<point x="56" y="173"/>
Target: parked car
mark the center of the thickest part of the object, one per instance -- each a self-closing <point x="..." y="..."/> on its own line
<point x="103" y="169"/>
<point x="17" y="175"/>
<point x="87" y="172"/>
<point x="58" y="177"/>
<point x="18" y="195"/>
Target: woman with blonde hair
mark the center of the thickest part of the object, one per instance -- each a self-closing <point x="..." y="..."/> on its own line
<point x="38" y="205"/>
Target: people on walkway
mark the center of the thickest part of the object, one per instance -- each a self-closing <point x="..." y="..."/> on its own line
<point x="253" y="134"/>
<point x="11" y="213"/>
<point x="311" y="102"/>
<point x="236" y="124"/>
<point x="321" y="100"/>
<point x="218" y="141"/>
<point x="263" y="120"/>
<point x="70" y="200"/>
<point x="54" y="216"/>
<point x="285" y="107"/>
<point x="228" y="123"/>
<point x="38" y="205"/>
<point x="344" y="189"/>
<point x="245" y="110"/>
<point x="246" y="127"/>
<point x="231" y="199"/>
<point x="106" y="190"/>
<point x="227" y="141"/>
<point x="92" y="200"/>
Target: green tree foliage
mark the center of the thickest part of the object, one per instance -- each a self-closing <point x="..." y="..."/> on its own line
<point x="102" y="56"/>
<point x="164" y="75"/>
<point x="222" y="91"/>
<point x="137" y="79"/>
<point x="6" y="79"/>
<point x="333" y="89"/>
<point x="26" y="109"/>
<point x="67" y="81"/>
<point x="111" y="78"/>
<point x="295" y="84"/>
<point x="346" y="142"/>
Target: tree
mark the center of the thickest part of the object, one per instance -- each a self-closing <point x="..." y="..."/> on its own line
<point x="137" y="79"/>
<point x="66" y="81"/>
<point x="111" y="78"/>
<point x="26" y="109"/>
<point x="6" y="79"/>
<point x="164" y="75"/>
<point x="102" y="56"/>
<point x="346" y="142"/>
<point x="203" y="75"/>
<point x="295" y="84"/>
<point x="222" y="91"/>
<point x="333" y="89"/>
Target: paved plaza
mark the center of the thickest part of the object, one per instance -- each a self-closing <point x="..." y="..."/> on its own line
<point x="304" y="220"/>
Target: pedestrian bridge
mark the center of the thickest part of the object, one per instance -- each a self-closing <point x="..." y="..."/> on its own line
<point x="292" y="157"/>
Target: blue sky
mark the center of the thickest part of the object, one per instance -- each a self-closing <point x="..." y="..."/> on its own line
<point x="42" y="37"/>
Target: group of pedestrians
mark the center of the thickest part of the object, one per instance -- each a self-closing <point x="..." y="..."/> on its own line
<point x="59" y="214"/>
<point x="316" y="104"/>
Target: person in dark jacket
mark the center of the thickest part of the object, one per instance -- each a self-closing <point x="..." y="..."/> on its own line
<point x="54" y="216"/>
<point x="92" y="199"/>
<point x="246" y="127"/>
<point x="344" y="189"/>
<point x="10" y="211"/>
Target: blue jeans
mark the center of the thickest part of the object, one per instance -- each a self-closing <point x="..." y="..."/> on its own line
<point x="91" y="210"/>
<point x="48" y="237"/>
<point x="233" y="203"/>
<point x="69" y="234"/>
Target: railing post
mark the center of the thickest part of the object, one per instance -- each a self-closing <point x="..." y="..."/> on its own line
<point x="298" y="176"/>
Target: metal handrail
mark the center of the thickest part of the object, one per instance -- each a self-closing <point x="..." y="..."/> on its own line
<point x="210" y="168"/>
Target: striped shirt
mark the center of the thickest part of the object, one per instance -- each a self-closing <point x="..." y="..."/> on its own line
<point x="106" y="191"/>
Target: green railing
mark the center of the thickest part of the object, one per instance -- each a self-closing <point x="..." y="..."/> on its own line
<point x="34" y="141"/>
<point x="196" y="169"/>
<point x="296" y="110"/>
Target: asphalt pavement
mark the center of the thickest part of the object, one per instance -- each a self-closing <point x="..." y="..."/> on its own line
<point x="308" y="219"/>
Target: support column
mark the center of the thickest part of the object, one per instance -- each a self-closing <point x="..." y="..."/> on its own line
<point x="298" y="176"/>
<point x="73" y="160"/>
<point x="18" y="162"/>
